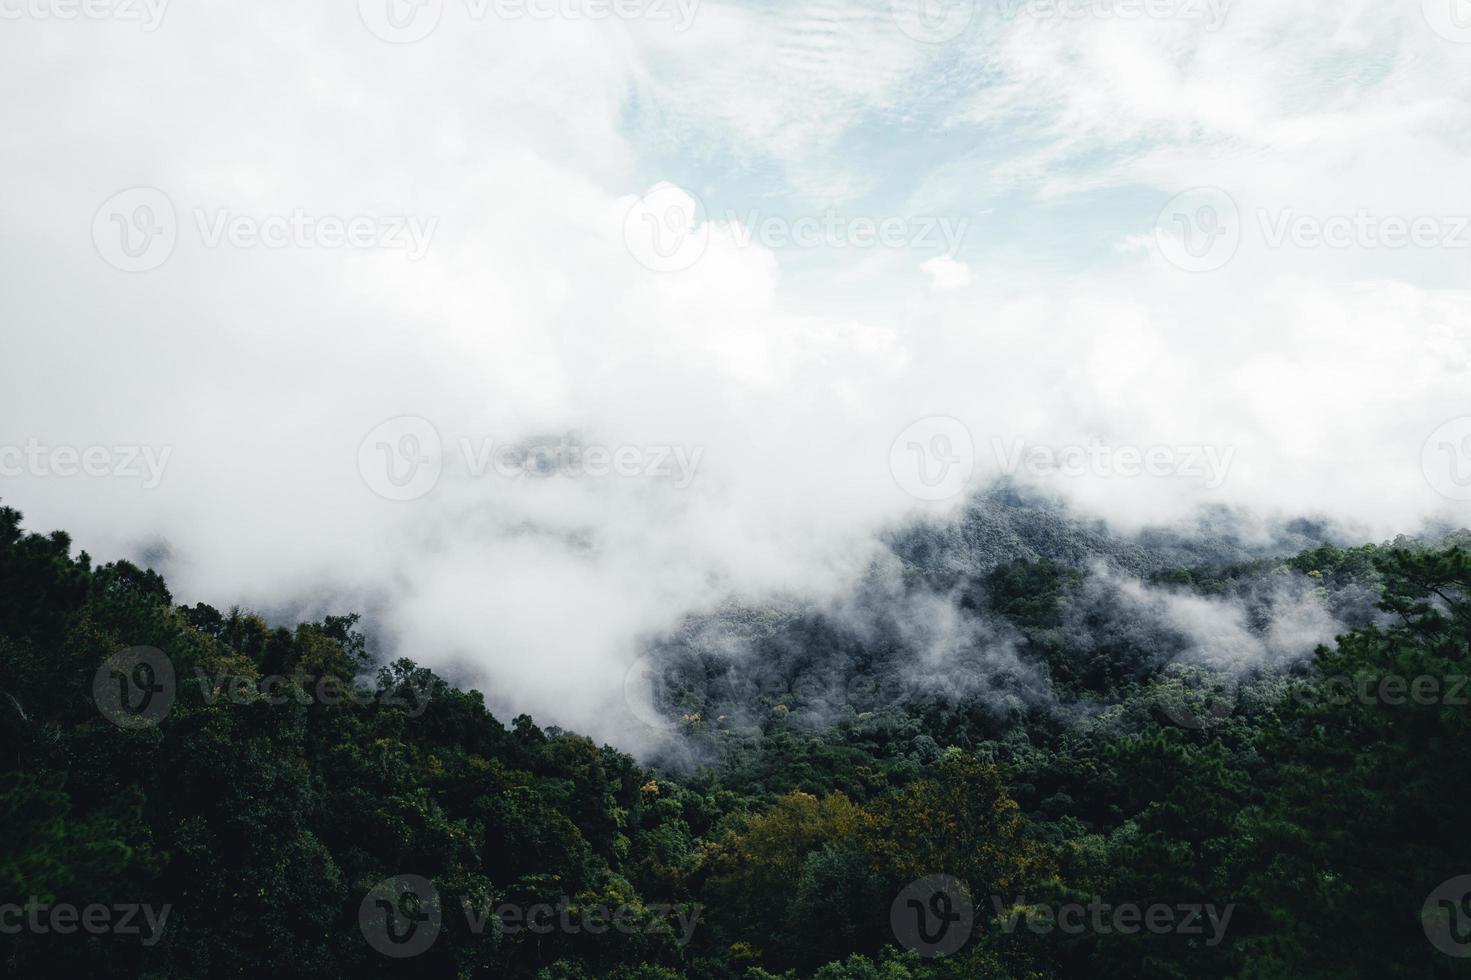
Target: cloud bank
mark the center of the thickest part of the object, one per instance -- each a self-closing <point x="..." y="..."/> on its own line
<point x="447" y="230"/>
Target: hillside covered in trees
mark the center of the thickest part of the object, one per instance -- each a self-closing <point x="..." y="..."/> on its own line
<point x="1020" y="748"/>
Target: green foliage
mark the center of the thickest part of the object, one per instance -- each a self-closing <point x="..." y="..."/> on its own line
<point x="263" y="813"/>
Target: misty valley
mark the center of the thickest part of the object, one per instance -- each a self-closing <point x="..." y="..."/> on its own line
<point x="1020" y="745"/>
<point x="735" y="490"/>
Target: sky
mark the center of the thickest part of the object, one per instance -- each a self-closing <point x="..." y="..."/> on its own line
<point x="536" y="325"/>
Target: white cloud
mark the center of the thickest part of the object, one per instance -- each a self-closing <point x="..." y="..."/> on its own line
<point x="528" y="141"/>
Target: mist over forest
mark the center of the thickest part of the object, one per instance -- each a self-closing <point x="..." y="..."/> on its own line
<point x="1212" y="731"/>
<point x="735" y="490"/>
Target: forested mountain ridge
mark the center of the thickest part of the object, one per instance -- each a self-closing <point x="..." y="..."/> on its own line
<point x="1065" y="727"/>
<point x="1017" y="607"/>
<point x="1007" y="523"/>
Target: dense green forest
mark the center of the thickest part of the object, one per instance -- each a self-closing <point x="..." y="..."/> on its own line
<point x="190" y="792"/>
